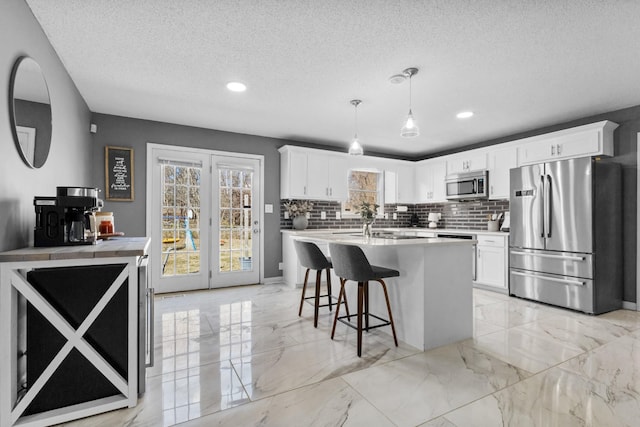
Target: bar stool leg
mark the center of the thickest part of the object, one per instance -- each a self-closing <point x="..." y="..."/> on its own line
<point x="366" y="306"/>
<point x="386" y="297"/>
<point x="304" y="289"/>
<point x="360" y="303"/>
<point x="316" y="302"/>
<point x="329" y="287"/>
<point x="335" y="318"/>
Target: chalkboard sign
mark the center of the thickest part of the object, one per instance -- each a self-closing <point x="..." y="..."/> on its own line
<point x="118" y="169"/>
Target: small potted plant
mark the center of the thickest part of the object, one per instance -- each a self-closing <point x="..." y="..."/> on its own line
<point x="297" y="211"/>
<point x="368" y="214"/>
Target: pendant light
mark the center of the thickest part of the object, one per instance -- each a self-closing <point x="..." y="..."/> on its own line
<point x="355" y="149"/>
<point x="410" y="128"/>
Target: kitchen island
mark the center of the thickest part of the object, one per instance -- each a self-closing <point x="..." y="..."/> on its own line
<point x="431" y="301"/>
<point x="69" y="327"/>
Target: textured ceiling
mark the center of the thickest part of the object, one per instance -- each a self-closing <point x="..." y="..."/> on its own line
<point x="519" y="65"/>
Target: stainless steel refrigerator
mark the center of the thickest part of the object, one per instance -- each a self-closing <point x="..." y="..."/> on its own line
<point x="565" y="238"/>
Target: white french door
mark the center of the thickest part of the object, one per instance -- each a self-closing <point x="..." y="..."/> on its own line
<point x="203" y="216"/>
<point x="236" y="205"/>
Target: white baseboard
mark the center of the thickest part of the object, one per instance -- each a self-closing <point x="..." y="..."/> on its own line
<point x="272" y="280"/>
<point x="628" y="305"/>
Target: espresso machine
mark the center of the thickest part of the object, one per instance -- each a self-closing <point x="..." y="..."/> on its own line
<point x="64" y="219"/>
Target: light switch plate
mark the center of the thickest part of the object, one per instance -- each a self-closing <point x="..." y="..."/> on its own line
<point x="395" y="215"/>
<point x="286" y="215"/>
<point x="386" y="215"/>
<point x="268" y="208"/>
<point x="323" y="215"/>
<point x="337" y="215"/>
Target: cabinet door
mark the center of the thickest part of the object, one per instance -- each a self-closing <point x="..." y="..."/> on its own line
<point x="390" y="186"/>
<point x="405" y="183"/>
<point x="318" y="176"/>
<point x="580" y="144"/>
<point x="297" y="176"/>
<point x="423" y="183"/>
<point x="338" y="176"/>
<point x="490" y="262"/>
<point x="438" y="174"/>
<point x="577" y="145"/>
<point x="500" y="162"/>
<point x="467" y="162"/>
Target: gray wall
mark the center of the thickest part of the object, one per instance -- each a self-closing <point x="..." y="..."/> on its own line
<point x="130" y="217"/>
<point x="626" y="154"/>
<point x="70" y="154"/>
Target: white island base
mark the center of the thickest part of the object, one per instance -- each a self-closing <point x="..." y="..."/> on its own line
<point x="432" y="300"/>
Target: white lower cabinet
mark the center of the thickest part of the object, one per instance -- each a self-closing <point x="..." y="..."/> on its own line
<point x="491" y="262"/>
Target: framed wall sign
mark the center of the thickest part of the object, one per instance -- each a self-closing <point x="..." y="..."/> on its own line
<point x="118" y="169"/>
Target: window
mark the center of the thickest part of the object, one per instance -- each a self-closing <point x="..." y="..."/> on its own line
<point x="364" y="186"/>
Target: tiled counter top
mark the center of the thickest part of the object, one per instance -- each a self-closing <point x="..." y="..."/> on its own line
<point x="114" y="247"/>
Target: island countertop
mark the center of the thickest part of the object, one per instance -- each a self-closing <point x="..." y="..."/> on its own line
<point x="401" y="230"/>
<point x="359" y="240"/>
<point x="114" y="247"/>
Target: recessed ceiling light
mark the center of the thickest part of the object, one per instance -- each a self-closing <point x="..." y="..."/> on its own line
<point x="464" y="114"/>
<point x="236" y="87"/>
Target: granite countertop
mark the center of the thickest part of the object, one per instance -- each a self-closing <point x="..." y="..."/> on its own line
<point x="114" y="247"/>
<point x="397" y="230"/>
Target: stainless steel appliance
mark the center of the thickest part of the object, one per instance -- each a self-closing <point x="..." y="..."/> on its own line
<point x="467" y="186"/>
<point x="474" y="249"/>
<point x="565" y="240"/>
<point x="64" y="219"/>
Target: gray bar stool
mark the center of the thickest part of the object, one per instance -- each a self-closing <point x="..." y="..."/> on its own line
<point x="350" y="263"/>
<point x="312" y="258"/>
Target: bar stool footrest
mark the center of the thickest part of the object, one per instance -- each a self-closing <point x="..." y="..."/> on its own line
<point x="323" y="296"/>
<point x="348" y="322"/>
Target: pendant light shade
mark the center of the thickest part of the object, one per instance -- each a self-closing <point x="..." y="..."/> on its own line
<point x="355" y="149"/>
<point x="410" y="128"/>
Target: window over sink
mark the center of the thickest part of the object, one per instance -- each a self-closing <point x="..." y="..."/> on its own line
<point x="364" y="186"/>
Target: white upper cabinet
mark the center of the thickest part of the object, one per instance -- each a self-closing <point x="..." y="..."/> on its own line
<point x="312" y="174"/>
<point x="399" y="179"/>
<point x="595" y="139"/>
<point x="500" y="162"/>
<point x="469" y="161"/>
<point x="430" y="175"/>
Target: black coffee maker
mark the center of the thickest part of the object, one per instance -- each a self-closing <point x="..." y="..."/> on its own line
<point x="64" y="219"/>
<point x="414" y="221"/>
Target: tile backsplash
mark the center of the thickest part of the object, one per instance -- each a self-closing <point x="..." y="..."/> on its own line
<point x="460" y="215"/>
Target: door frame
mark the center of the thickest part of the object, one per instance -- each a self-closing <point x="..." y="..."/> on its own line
<point x="150" y="146"/>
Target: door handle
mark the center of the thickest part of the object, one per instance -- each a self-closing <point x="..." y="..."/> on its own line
<point x="550" y="279"/>
<point x="542" y="211"/>
<point x="548" y="206"/>
<point x="553" y="150"/>
<point x="568" y="258"/>
<point x="558" y="148"/>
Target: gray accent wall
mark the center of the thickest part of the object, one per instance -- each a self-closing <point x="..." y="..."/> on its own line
<point x="70" y="154"/>
<point x="130" y="217"/>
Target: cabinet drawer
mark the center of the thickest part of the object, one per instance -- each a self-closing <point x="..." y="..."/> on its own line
<point x="497" y="241"/>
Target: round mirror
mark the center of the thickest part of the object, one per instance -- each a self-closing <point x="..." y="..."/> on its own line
<point x="31" y="112"/>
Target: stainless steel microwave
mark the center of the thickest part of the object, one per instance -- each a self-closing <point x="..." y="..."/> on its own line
<point x="467" y="186"/>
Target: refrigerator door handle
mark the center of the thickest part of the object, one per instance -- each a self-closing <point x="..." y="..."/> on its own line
<point x="548" y="206"/>
<point x="551" y="279"/>
<point x="542" y="210"/>
<point x="569" y="258"/>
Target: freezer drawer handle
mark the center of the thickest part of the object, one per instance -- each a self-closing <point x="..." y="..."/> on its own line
<point x="551" y="279"/>
<point x="570" y="258"/>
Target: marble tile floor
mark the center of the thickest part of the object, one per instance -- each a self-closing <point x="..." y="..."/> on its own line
<point x="242" y="357"/>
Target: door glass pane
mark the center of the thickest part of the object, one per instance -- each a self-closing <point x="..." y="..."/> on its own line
<point x="180" y="220"/>
<point x="235" y="220"/>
